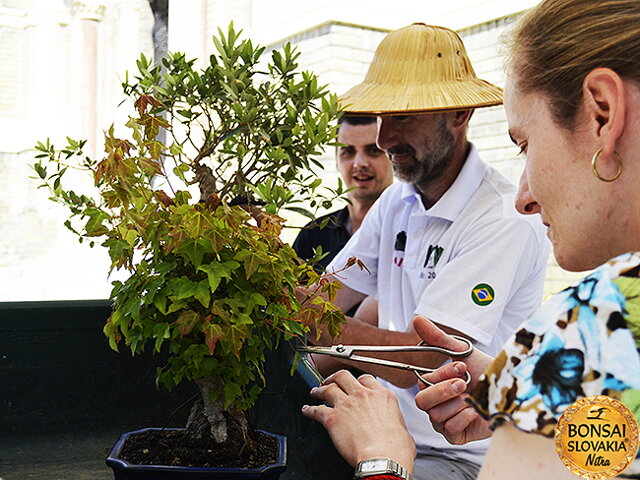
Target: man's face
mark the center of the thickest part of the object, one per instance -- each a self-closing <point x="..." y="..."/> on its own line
<point x="361" y="163"/>
<point x="420" y="147"/>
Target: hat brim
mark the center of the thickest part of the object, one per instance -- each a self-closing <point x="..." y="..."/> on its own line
<point x="428" y="97"/>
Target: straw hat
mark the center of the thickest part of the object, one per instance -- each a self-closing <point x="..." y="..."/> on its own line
<point x="420" y="68"/>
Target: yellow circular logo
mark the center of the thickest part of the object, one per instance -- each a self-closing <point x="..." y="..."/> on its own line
<point x="597" y="437"/>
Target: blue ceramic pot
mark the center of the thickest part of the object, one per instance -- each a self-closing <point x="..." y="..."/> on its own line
<point x="127" y="471"/>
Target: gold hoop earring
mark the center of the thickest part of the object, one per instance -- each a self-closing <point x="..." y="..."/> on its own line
<point x="594" y="166"/>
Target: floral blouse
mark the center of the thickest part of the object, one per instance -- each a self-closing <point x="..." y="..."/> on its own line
<point x="584" y="341"/>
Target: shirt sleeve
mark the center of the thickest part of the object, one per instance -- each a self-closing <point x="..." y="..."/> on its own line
<point x="485" y="274"/>
<point x="579" y="343"/>
<point x="363" y="245"/>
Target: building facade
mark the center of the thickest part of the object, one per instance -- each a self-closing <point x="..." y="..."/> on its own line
<point x="63" y="62"/>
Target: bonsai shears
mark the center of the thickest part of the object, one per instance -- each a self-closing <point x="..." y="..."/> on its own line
<point x="349" y="352"/>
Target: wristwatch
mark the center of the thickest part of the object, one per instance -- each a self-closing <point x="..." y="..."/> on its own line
<point x="381" y="466"/>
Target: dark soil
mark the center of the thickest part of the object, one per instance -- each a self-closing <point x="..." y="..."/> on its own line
<point x="172" y="447"/>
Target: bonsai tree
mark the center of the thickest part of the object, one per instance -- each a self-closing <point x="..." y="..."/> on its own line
<point x="187" y="202"/>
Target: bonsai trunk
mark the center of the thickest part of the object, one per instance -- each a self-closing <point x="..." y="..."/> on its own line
<point x="210" y="421"/>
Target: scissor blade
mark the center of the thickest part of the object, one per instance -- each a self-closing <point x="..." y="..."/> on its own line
<point x="386" y="348"/>
<point x="333" y="351"/>
<point x="390" y="363"/>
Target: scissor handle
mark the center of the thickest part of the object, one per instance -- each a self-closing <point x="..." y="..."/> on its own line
<point x="447" y="352"/>
<point x="467" y="379"/>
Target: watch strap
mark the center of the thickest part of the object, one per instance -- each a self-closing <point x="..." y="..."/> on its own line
<point x="373" y="468"/>
<point x="383" y="476"/>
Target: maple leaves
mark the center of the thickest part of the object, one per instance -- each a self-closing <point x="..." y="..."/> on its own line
<point x="144" y="102"/>
<point x="211" y="284"/>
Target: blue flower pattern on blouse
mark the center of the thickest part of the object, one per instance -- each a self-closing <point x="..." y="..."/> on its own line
<point x="552" y="372"/>
<point x="579" y="343"/>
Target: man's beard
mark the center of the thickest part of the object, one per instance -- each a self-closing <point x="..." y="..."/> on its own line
<point x="438" y="151"/>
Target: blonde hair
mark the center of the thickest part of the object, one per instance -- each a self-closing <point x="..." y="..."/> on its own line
<point x="558" y="42"/>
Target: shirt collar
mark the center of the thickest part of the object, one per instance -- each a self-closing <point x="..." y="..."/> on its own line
<point x="342" y="215"/>
<point x="458" y="195"/>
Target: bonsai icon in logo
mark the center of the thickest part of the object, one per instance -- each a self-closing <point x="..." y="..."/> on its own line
<point x="482" y="294"/>
<point x="597" y="437"/>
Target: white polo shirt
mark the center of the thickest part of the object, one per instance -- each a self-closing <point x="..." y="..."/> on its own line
<point x="471" y="262"/>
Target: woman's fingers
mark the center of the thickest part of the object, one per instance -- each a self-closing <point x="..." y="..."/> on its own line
<point x="442" y="402"/>
<point x="457" y="424"/>
<point x="440" y="392"/>
<point x="450" y="414"/>
<point x="447" y="371"/>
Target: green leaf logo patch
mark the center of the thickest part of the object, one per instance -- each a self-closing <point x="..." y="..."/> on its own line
<point x="482" y="294"/>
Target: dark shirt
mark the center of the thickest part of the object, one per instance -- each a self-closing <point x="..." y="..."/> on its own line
<point x="333" y="237"/>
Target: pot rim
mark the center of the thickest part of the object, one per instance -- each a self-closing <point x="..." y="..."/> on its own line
<point x="115" y="462"/>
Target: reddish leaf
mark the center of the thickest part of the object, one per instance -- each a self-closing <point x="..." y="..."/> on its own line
<point x="163" y="198"/>
<point x="144" y="101"/>
<point x="212" y="334"/>
<point x="212" y="202"/>
<point x="186" y="321"/>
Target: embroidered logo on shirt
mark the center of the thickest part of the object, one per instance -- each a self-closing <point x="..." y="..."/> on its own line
<point x="399" y="246"/>
<point x="401" y="241"/>
<point x="433" y="255"/>
<point x="482" y="294"/>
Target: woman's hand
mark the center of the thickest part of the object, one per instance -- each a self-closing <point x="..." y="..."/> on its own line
<point x="444" y="402"/>
<point x="450" y="414"/>
<point x="363" y="421"/>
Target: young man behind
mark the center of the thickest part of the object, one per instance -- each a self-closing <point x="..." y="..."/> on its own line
<point x="362" y="165"/>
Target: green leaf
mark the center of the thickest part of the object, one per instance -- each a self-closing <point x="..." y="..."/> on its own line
<point x="94" y="226"/>
<point x="194" y="250"/>
<point x="119" y="250"/>
<point x="180" y="171"/>
<point x="111" y="330"/>
<point x="243" y="319"/>
<point x="254" y="299"/>
<point x="161" y="332"/>
<point x="182" y="287"/>
<point x="252" y="261"/>
<point x="302" y="211"/>
<point x="203" y="293"/>
<point x="160" y="301"/>
<point x="217" y="271"/>
<point x="232" y="391"/>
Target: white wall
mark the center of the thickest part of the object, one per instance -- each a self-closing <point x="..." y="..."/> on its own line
<point x="273" y="20"/>
<point x="63" y="62"/>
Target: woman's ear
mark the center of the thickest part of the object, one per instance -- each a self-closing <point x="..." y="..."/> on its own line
<point x="604" y="105"/>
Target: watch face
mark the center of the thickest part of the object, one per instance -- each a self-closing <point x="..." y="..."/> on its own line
<point x="374" y="465"/>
